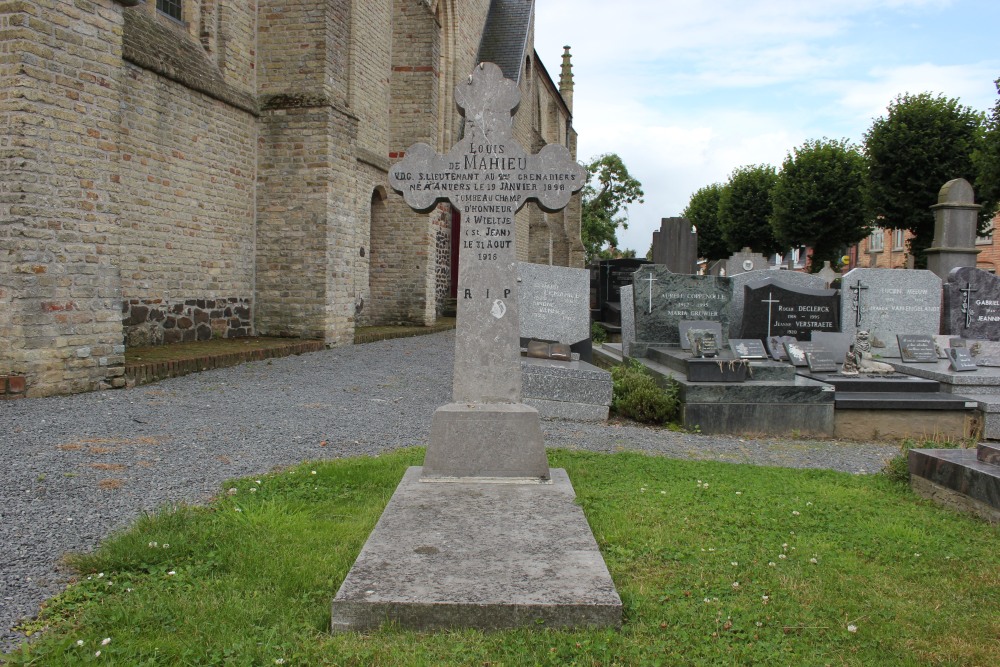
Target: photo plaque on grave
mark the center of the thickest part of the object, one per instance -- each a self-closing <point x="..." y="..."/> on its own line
<point x="961" y="359"/>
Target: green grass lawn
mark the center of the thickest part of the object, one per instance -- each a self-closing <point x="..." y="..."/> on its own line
<point x="716" y="564"/>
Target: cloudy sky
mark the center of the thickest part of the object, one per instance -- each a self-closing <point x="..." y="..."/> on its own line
<point x="686" y="92"/>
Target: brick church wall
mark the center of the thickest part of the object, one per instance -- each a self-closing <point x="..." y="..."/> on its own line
<point x="60" y="193"/>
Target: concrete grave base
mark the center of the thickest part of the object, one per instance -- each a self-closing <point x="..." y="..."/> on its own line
<point x="487" y="556"/>
<point x="918" y="424"/>
<point x="502" y="441"/>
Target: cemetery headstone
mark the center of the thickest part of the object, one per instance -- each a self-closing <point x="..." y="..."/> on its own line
<point x="684" y="328"/>
<point x="887" y="302"/>
<point x="663" y="299"/>
<point x="488" y="177"/>
<point x="745" y="260"/>
<point x="452" y="548"/>
<point x="554" y="303"/>
<point x="787" y="279"/>
<point x="675" y="245"/>
<point x="628" y="320"/>
<point x="917" y="349"/>
<point x="747" y="348"/>
<point x="961" y="359"/>
<point x="955" y="218"/>
<point x="972" y="304"/>
<point x="769" y="309"/>
<point x="613" y="274"/>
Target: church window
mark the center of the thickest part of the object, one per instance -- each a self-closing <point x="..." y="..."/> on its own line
<point x="171" y="8"/>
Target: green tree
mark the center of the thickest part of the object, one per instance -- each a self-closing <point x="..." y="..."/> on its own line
<point x="987" y="161"/>
<point x="922" y="143"/>
<point x="606" y="196"/>
<point x="745" y="209"/>
<point x="703" y="212"/>
<point x="818" y="200"/>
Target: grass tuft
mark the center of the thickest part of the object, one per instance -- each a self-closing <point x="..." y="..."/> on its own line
<point x="716" y="564"/>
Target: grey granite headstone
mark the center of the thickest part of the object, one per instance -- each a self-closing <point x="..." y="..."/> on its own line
<point x="487" y="431"/>
<point x="628" y="319"/>
<point x="663" y="299"/>
<point x="745" y="260"/>
<point x="554" y="302"/>
<point x="972" y="304"/>
<point x="771" y="309"/>
<point x="788" y="279"/>
<point x="887" y="302"/>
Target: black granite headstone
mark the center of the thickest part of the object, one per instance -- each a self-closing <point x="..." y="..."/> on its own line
<point x="821" y="361"/>
<point x="613" y="274"/>
<point x="971" y="304"/>
<point x="771" y="309"/>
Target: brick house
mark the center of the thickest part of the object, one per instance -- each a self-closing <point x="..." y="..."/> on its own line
<point x="886" y="249"/>
<point x="175" y="170"/>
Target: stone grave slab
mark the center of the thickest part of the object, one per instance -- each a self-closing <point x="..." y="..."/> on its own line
<point x="684" y="327"/>
<point x="445" y="552"/>
<point x="748" y="348"/>
<point x="663" y="299"/>
<point x="787" y="279"/>
<point x="972" y="304"/>
<point x="770" y="309"/>
<point x="917" y="349"/>
<point x="887" y="302"/>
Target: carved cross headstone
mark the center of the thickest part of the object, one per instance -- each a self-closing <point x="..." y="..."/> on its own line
<point x="487" y="176"/>
<point x="967" y="293"/>
<point x="856" y="302"/>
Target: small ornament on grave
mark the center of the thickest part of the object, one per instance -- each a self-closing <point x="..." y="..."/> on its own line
<point x="863" y="356"/>
<point x="850" y="367"/>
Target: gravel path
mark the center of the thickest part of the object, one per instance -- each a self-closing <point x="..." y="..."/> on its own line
<point x="78" y="467"/>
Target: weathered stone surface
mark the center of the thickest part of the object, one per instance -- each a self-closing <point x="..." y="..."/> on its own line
<point x="675" y="246"/>
<point x="485" y="556"/>
<point x="627" y="319"/>
<point x="554" y="302"/>
<point x="891" y="302"/>
<point x="972" y="304"/>
<point x="955" y="218"/>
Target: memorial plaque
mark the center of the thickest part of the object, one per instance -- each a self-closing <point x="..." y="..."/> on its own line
<point x="887" y="302"/>
<point x="797" y="350"/>
<point x="787" y="279"/>
<point x="684" y="327"/>
<point x="961" y="359"/>
<point x="917" y="349"/>
<point x="770" y="309"/>
<point x="488" y="177"/>
<point x="663" y="299"/>
<point x="821" y="361"/>
<point x="836" y="343"/>
<point x="972" y="304"/>
<point x="776" y="346"/>
<point x="748" y="348"/>
<point x="554" y="302"/>
<point x="704" y="343"/>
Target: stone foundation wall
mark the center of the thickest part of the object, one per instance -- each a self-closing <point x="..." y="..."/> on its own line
<point x="156" y="322"/>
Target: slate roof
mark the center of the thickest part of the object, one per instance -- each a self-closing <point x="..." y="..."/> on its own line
<point x="505" y="36"/>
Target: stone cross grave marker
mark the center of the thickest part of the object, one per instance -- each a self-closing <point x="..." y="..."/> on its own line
<point x="972" y="304"/>
<point x="486" y="431"/>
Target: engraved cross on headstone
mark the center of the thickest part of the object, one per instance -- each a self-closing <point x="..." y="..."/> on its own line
<point x="769" y="301"/>
<point x="487" y="176"/>
<point x="967" y="293"/>
<point x="856" y="302"/>
<point x="650" y="279"/>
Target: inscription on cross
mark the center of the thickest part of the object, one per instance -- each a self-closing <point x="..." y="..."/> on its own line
<point x="488" y="177"/>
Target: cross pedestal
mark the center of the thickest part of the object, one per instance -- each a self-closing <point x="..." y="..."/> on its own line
<point x="484" y="534"/>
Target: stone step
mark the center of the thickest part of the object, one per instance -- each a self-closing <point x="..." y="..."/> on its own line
<point x="902" y="400"/>
<point x="867" y="384"/>
<point x="987" y="453"/>
<point x="958" y="479"/>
